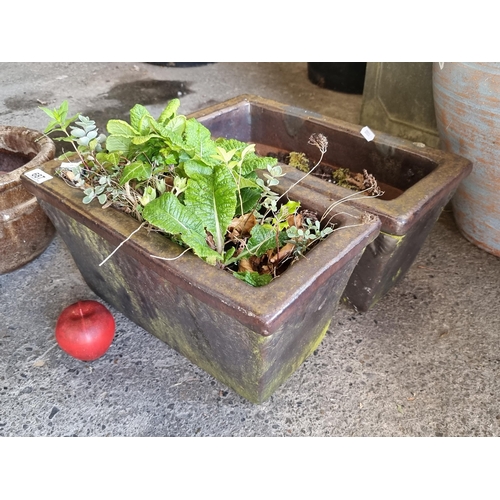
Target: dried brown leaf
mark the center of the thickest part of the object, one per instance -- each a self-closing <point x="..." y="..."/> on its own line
<point x="357" y="180"/>
<point x="241" y="226"/>
<point x="245" y="265"/>
<point x="210" y="240"/>
<point x="295" y="220"/>
<point x="283" y="253"/>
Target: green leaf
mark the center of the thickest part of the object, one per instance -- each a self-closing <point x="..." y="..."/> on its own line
<point x="253" y="162"/>
<point x="141" y="139"/>
<point x="59" y="120"/>
<point x="141" y="119"/>
<point x="287" y="209"/>
<point x="65" y="156"/>
<point x="244" y="182"/>
<point x="168" y="158"/>
<point x="254" y="279"/>
<point x="136" y="170"/>
<point x="263" y="238"/>
<point x="229" y="144"/>
<point x="148" y="196"/>
<point x="212" y="196"/>
<point x="169" y="110"/>
<point x="112" y="158"/>
<point x="172" y="132"/>
<point x="250" y="198"/>
<point x="175" y="127"/>
<point x="198" y="139"/>
<point x="229" y="254"/>
<point x="115" y="143"/>
<point x="58" y="114"/>
<point x="51" y="126"/>
<point x="196" y="169"/>
<point x="225" y="155"/>
<point x="170" y="215"/>
<point x="121" y="128"/>
<point x="87" y="199"/>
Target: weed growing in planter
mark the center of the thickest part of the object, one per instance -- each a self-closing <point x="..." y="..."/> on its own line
<point x="204" y="193"/>
<point x="362" y="182"/>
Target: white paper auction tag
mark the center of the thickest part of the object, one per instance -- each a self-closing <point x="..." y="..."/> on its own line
<point x="38" y="175"/>
<point x="367" y="134"/>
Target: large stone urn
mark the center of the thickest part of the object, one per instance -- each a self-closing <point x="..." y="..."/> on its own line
<point x="25" y="229"/>
<point x="467" y="104"/>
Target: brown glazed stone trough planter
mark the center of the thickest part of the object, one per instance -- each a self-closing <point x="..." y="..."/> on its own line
<point x="418" y="180"/>
<point x="25" y="229"/>
<point x="251" y="339"/>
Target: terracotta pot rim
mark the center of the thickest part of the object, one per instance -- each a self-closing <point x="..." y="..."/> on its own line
<point x="45" y="150"/>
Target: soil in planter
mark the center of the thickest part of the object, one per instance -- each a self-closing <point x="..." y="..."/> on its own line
<point x="343" y="177"/>
<point x="11" y="161"/>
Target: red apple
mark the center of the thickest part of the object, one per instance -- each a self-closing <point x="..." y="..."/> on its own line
<point x="85" y="330"/>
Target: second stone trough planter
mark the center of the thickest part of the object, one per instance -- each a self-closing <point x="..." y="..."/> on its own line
<point x="251" y="339"/>
<point x="418" y="181"/>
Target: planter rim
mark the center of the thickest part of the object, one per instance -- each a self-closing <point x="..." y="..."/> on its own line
<point x="263" y="309"/>
<point x="45" y="151"/>
<point x="397" y="215"/>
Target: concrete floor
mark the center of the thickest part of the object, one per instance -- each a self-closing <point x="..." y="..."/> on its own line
<point x="423" y="362"/>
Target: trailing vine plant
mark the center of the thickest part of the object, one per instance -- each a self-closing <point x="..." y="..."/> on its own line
<point x="204" y="193"/>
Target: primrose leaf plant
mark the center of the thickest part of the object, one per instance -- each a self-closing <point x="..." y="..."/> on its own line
<point x="205" y="194"/>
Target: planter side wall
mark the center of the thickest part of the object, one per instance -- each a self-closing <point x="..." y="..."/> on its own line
<point x="386" y="261"/>
<point x="253" y="365"/>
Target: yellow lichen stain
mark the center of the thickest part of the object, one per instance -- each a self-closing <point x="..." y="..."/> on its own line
<point x="398" y="239"/>
<point x="395" y="277"/>
<point x="286" y="370"/>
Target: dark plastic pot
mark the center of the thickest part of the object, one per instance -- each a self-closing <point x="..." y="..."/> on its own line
<point x="419" y="181"/>
<point x="347" y="77"/>
<point x="181" y="64"/>
<point x="251" y="339"/>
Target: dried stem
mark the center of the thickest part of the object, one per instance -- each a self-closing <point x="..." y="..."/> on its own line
<point x="124" y="241"/>
<point x="321" y="142"/>
<point x="349" y="197"/>
<point x="170" y="258"/>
